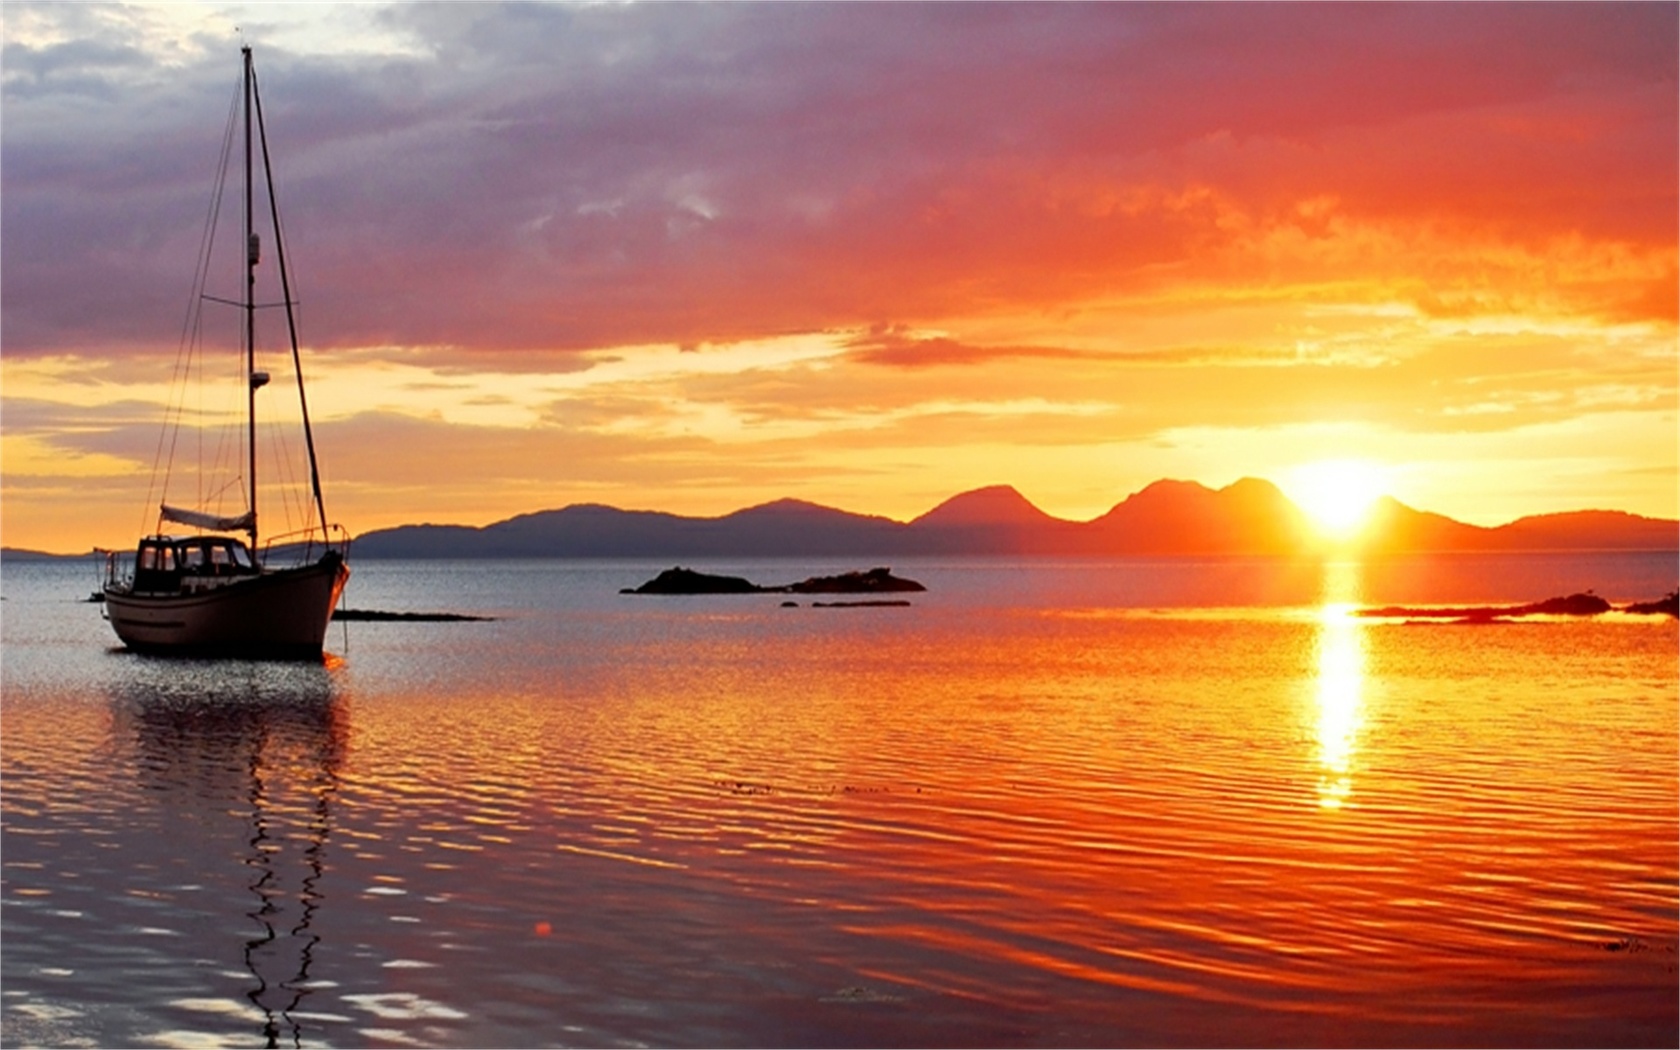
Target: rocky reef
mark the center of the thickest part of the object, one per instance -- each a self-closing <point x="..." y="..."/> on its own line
<point x="678" y="580"/>
<point x="1668" y="604"/>
<point x="875" y="581"/>
<point x="1584" y="604"/>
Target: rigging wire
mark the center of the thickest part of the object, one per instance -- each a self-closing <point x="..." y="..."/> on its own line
<point x="191" y="355"/>
<point x="293" y="501"/>
<point x="286" y="297"/>
<point x="192" y="328"/>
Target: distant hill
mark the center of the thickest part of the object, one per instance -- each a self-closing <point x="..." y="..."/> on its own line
<point x="784" y="528"/>
<point x="1397" y="527"/>
<point x="23" y="554"/>
<point x="1248" y="517"/>
<point x="1594" y="529"/>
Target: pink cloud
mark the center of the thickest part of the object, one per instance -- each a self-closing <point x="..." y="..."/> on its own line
<point x="560" y="178"/>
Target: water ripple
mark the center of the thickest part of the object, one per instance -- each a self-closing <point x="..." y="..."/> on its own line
<point x="983" y="826"/>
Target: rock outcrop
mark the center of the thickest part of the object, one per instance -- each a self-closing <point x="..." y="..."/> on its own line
<point x="875" y="581"/>
<point x="678" y="580"/>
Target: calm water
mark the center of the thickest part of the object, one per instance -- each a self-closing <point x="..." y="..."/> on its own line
<point x="1050" y="803"/>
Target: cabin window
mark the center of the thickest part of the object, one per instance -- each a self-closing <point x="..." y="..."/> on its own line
<point x="166" y="559"/>
<point x="192" y="558"/>
<point x="241" y="556"/>
<point x="220" y="557"/>
<point x="148" y="557"/>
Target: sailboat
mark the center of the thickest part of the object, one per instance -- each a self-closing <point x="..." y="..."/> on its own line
<point x="213" y="592"/>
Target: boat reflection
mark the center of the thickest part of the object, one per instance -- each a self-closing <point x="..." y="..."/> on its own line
<point x="1340" y="682"/>
<point x="266" y="742"/>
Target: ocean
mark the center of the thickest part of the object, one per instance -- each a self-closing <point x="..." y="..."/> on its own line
<point x="1163" y="802"/>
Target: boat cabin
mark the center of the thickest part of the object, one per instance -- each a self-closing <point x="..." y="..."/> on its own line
<point x="168" y="565"/>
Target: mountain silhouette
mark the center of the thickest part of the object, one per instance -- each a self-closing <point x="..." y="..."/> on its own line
<point x="590" y="530"/>
<point x="994" y="520"/>
<point x="1248" y="517"/>
<point x="995" y="506"/>
<point x="1395" y="527"/>
<point x="1590" y="529"/>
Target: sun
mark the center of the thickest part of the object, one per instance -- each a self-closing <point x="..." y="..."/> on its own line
<point x="1337" y="494"/>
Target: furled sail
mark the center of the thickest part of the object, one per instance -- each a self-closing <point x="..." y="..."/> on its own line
<point x="199" y="519"/>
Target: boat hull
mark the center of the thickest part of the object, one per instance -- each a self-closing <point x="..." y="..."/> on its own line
<point x="282" y="614"/>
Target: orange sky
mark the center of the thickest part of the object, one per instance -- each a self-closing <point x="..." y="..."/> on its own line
<point x="694" y="258"/>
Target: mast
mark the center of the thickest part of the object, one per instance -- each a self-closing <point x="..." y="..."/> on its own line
<point x="250" y="313"/>
<point x="291" y="318"/>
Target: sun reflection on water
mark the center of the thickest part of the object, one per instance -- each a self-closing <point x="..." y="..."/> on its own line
<point x="1341" y="679"/>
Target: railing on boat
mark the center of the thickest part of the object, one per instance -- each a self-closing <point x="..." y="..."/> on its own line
<point x="287" y="550"/>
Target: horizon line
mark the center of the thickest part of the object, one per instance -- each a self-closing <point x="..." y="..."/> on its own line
<point x="1376" y="501"/>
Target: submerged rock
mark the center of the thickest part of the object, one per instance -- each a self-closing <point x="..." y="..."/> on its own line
<point x="381" y="616"/>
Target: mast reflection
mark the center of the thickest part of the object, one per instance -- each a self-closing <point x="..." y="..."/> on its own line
<point x="266" y="741"/>
<point x="1340" y="681"/>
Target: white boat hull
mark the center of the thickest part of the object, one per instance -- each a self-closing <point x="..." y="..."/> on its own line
<point x="281" y="613"/>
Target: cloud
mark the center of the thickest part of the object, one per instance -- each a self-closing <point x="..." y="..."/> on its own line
<point x="532" y="176"/>
<point x="887" y="347"/>
<point x="719" y="252"/>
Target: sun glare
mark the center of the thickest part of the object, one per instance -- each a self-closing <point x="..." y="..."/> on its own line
<point x="1337" y="494"/>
